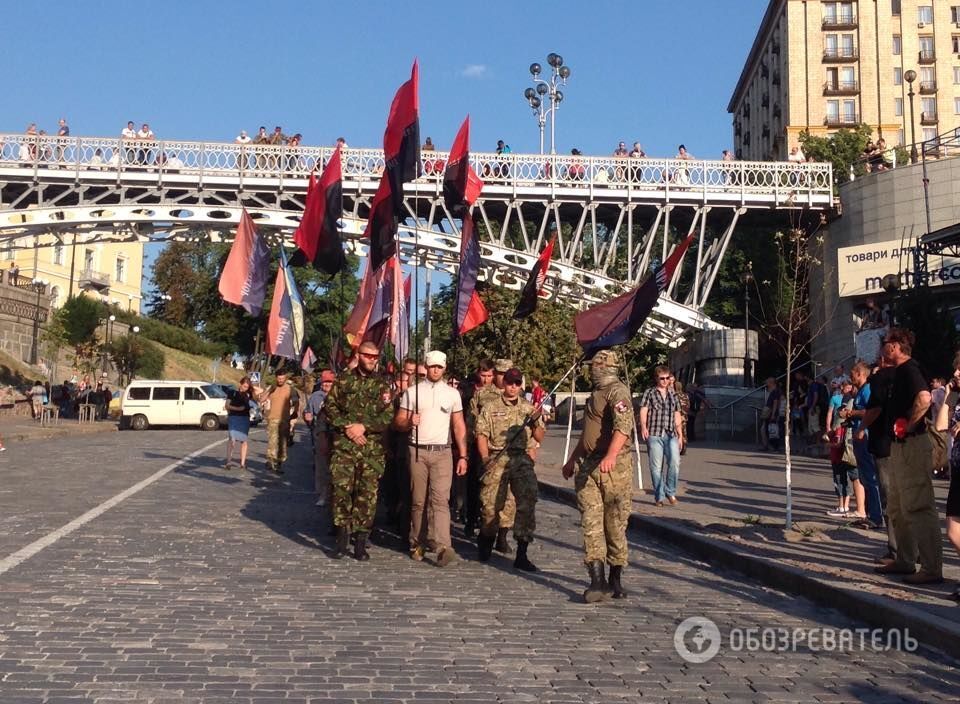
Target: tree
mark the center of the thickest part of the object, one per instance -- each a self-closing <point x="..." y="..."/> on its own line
<point x="75" y="325"/>
<point x="131" y="355"/>
<point x="844" y="149"/>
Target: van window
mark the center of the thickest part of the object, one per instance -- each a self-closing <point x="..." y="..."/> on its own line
<point x="166" y="393"/>
<point x="192" y="393"/>
<point x="139" y="393"/>
<point x="214" y="391"/>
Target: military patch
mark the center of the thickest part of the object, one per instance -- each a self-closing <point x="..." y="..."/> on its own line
<point x="621" y="407"/>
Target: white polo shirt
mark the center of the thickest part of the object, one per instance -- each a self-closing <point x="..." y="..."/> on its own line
<point x="437" y="403"/>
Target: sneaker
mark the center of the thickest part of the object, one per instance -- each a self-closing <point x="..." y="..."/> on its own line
<point x="837" y="513"/>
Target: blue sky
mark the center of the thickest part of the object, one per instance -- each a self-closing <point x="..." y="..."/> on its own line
<point x="650" y="70"/>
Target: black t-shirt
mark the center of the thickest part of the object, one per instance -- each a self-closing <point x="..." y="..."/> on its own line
<point x="908" y="381"/>
<point x="878" y="439"/>
<point x="239" y="398"/>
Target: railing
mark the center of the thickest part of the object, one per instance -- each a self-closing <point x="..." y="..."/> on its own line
<point x="841" y="88"/>
<point x="93" y="277"/>
<point x="846" y="53"/>
<point x="946" y="145"/>
<point x="170" y="160"/>
<point x="844" y="21"/>
<point x="841" y="120"/>
<point x="928" y="87"/>
<point x="927" y="56"/>
<point x="928" y="118"/>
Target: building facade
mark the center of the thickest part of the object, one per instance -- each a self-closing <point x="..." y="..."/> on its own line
<point x="820" y="65"/>
<point x="111" y="272"/>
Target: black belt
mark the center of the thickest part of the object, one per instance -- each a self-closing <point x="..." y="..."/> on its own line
<point x="431" y="448"/>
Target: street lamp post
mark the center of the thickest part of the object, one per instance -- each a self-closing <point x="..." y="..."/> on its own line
<point x="747" y="278"/>
<point x="548" y="88"/>
<point x="910" y="76"/>
<point x="40" y="286"/>
<point x="135" y="330"/>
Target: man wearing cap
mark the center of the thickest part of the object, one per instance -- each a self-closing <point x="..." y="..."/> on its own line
<point x="604" y="482"/>
<point x="429" y="411"/>
<point x="484" y="385"/>
<point x="483" y="396"/>
<point x="359" y="408"/>
<point x="277" y="401"/>
<point x="322" y="441"/>
<point x="508" y="430"/>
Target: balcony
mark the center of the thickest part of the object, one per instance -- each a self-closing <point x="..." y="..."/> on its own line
<point x="927" y="56"/>
<point x="846" y="120"/>
<point x="927" y="87"/>
<point x="844" y="54"/>
<point x="94" y="281"/>
<point x="841" y="88"/>
<point x="842" y="21"/>
<point x="928" y="118"/>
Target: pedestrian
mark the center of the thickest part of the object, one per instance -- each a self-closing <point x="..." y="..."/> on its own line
<point x="476" y="395"/>
<point x="276" y="403"/>
<point x="698" y="402"/>
<point x="431" y="411"/>
<point x="395" y="482"/>
<point x="684" y="400"/>
<point x="359" y="408"/>
<point x="508" y="431"/>
<point x="36" y="393"/>
<point x="878" y="443"/>
<point x="603" y="466"/>
<point x="238" y="422"/>
<point x="661" y="428"/>
<point x="866" y="466"/>
<point x="911" y="504"/>
<point x="316" y="418"/>
<point x="770" y="415"/>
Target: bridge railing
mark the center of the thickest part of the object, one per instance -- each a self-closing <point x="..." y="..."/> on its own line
<point x="804" y="182"/>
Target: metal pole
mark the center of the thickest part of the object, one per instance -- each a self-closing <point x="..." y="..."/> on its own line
<point x="541" y="120"/>
<point x="553" y="120"/>
<point x="913" y="128"/>
<point x="570" y="411"/>
<point x="427" y="324"/>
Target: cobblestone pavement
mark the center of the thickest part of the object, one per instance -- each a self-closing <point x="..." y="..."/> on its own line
<point x="214" y="586"/>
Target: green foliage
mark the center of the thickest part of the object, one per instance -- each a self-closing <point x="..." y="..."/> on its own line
<point x="77" y="321"/>
<point x="927" y="313"/>
<point x="170" y="335"/>
<point x="843" y="149"/>
<point x="133" y="355"/>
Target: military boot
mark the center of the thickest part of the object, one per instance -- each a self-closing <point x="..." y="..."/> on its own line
<point x="503" y="545"/>
<point x="618" y="591"/>
<point x="343" y="542"/>
<point x="598" y="589"/>
<point x="360" y="547"/>
<point x="484" y="546"/>
<point x="521" y="562"/>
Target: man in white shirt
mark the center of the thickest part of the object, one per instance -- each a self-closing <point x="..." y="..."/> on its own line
<point x="129" y="133"/>
<point x="431" y="409"/>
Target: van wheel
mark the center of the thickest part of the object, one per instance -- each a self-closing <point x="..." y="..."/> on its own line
<point x="209" y="422"/>
<point x="139" y="422"/>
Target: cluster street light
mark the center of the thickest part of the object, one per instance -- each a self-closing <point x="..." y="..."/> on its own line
<point x="747" y="278"/>
<point x="108" y="338"/>
<point x="910" y="76"/>
<point x="547" y="89"/>
<point x="40" y="285"/>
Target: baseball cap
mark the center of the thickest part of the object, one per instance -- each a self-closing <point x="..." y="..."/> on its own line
<point x="503" y="365"/>
<point x="435" y="358"/>
<point x="513" y="376"/>
<point x="327" y="375"/>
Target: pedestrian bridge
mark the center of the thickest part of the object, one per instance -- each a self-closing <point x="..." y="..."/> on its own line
<point x="610" y="213"/>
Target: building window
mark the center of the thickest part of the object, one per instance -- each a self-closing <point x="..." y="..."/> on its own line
<point x="897" y="76"/>
<point x="895" y="7"/>
<point x="900" y="136"/>
<point x="6" y="253"/>
<point x="897" y="45"/>
<point x="955" y="43"/>
<point x="88" y="255"/>
<point x="956" y="106"/>
<point x="956" y="75"/>
<point x="58" y="254"/>
<point x="849" y="111"/>
<point x="926" y="45"/>
<point x="55" y="297"/>
<point x="898" y="107"/>
<point x="925" y="14"/>
<point x="929" y="134"/>
<point x="121" y="269"/>
<point x="954" y="14"/>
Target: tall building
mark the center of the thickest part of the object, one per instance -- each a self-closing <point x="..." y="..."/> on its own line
<point x="111" y="272"/>
<point x="820" y="66"/>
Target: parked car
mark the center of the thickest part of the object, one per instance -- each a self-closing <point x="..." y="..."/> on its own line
<point x="256" y="413"/>
<point x="146" y="403"/>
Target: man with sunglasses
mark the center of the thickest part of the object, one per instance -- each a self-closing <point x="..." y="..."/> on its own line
<point x="508" y="431"/>
<point x="359" y="408"/>
<point x="661" y="426"/>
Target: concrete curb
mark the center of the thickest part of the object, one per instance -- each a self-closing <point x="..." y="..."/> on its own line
<point x="58" y="431"/>
<point x="873" y="610"/>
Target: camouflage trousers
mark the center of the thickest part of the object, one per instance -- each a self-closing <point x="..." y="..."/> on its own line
<point x="277" y="433"/>
<point x="355" y="472"/>
<point x="605" y="501"/>
<point x="509" y="478"/>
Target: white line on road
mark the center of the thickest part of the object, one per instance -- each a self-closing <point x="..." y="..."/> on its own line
<point x="46" y="541"/>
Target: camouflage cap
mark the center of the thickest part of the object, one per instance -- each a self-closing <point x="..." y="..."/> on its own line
<point x="503" y="365"/>
<point x="606" y="358"/>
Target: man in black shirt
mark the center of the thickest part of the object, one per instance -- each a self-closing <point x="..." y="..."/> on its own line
<point x="911" y="504"/>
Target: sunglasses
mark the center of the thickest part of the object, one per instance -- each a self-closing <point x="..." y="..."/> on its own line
<point x="366" y="355"/>
<point x="664" y="378"/>
<point x="512" y="383"/>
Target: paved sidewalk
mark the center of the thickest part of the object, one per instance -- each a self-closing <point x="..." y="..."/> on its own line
<point x="731" y="512"/>
<point x="22" y="429"/>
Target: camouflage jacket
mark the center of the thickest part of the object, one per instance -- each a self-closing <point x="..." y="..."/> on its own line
<point x="355" y="398"/>
<point x="500" y="421"/>
<point x="481" y="397"/>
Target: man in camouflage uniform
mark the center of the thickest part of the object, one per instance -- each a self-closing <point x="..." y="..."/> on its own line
<point x="359" y="408"/>
<point x="471" y="406"/>
<point x="508" y="431"/>
<point x="277" y="412"/>
<point x="604" y="481"/>
<point x="484" y="395"/>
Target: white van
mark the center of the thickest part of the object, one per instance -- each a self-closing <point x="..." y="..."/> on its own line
<point x="146" y="403"/>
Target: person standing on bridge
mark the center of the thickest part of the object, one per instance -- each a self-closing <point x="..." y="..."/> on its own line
<point x="604" y="482"/>
<point x="359" y="409"/>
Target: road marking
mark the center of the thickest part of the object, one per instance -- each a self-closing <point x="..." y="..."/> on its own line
<point x="46" y="541"/>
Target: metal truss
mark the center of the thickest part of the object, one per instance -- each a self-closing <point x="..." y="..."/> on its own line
<point x="608" y="214"/>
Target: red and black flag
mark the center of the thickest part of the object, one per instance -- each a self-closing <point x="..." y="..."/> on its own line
<point x="382" y="225"/>
<point x="318" y="235"/>
<point x="534" y="286"/>
<point x="401" y="140"/>
<point x="618" y="320"/>
<point x="461" y="185"/>
<point x="468" y="309"/>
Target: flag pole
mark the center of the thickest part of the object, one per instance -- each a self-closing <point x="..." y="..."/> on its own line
<point x="636" y="435"/>
<point x="570" y="412"/>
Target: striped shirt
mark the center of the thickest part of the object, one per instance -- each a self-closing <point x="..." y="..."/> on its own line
<point x="660" y="411"/>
